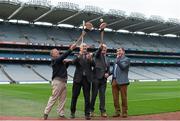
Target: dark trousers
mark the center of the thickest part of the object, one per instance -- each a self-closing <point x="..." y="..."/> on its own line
<point x="116" y="91"/>
<point x="86" y="92"/>
<point x="98" y="86"/>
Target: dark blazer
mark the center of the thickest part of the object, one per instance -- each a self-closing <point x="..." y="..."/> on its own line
<point x="102" y="65"/>
<point x="82" y="64"/>
<point x="122" y="70"/>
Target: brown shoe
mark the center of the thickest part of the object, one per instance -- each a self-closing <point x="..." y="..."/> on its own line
<point x="103" y="114"/>
<point x="124" y="115"/>
<point x="116" y="115"/>
<point x="92" y="114"/>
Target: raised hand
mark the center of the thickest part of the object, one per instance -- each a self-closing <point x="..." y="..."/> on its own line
<point x="73" y="46"/>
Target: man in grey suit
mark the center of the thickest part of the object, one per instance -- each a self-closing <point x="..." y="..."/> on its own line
<point x="120" y="82"/>
<point x="101" y="73"/>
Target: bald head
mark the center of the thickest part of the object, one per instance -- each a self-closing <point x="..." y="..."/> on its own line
<point x="83" y="48"/>
<point x="104" y="46"/>
<point x="54" y="53"/>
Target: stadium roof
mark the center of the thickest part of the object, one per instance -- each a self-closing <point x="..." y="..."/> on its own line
<point x="7" y="8"/>
<point x="69" y="13"/>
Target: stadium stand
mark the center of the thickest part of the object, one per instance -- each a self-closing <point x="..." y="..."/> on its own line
<point x="25" y="46"/>
<point x="71" y="70"/>
<point x="155" y="73"/>
<point x="21" y="73"/>
<point x="3" y="77"/>
<point x="52" y="35"/>
<point x="44" y="70"/>
<point x="161" y="71"/>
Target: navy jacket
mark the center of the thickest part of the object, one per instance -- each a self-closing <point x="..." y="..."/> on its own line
<point x="59" y="67"/>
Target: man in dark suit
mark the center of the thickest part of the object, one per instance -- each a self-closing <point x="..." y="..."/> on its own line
<point x="120" y="82"/>
<point x="101" y="73"/>
<point x="82" y="78"/>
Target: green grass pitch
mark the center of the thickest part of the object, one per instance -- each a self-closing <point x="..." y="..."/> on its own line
<point x="143" y="98"/>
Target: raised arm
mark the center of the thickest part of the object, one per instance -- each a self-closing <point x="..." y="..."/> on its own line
<point x="124" y="64"/>
<point x="98" y="52"/>
<point x="64" y="55"/>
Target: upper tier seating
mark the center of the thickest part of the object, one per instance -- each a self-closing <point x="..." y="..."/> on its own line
<point x="57" y="35"/>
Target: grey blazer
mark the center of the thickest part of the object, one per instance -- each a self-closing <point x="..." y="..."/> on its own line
<point x="122" y="70"/>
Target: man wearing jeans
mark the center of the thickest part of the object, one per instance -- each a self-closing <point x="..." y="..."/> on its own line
<point x="120" y="82"/>
<point x="59" y="80"/>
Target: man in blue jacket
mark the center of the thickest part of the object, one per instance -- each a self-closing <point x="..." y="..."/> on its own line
<point x="120" y="82"/>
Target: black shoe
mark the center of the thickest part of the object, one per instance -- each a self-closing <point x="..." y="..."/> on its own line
<point x="45" y="116"/>
<point x="72" y="115"/>
<point x="87" y="117"/>
<point x="62" y="116"/>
